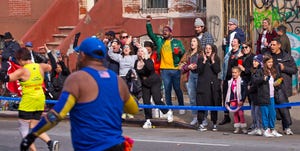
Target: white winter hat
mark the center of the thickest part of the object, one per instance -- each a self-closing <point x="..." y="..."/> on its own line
<point x="198" y="22"/>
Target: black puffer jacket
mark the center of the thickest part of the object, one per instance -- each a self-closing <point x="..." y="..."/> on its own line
<point x="263" y="88"/>
<point x="9" y="49"/>
<point x="290" y="68"/>
<point x="252" y="91"/>
<point x="263" y="93"/>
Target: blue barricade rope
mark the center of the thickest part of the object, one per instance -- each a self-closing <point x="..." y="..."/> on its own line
<point x="205" y="108"/>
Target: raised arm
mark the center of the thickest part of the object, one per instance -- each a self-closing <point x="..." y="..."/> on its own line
<point x="114" y="56"/>
<point x="149" y="28"/>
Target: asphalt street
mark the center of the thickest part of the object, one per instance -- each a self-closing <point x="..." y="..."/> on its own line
<point x="160" y="139"/>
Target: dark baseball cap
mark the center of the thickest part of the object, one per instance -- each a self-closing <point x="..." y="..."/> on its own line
<point x="28" y="44"/>
<point x="8" y="35"/>
<point x="110" y="33"/>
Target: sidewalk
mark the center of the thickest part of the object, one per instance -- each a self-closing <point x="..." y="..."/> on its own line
<point x="182" y="121"/>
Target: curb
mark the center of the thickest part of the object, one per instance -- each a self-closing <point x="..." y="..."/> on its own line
<point x="135" y="122"/>
<point x="10" y="114"/>
<point x="159" y="123"/>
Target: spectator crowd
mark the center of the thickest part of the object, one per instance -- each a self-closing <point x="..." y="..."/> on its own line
<point x="153" y="69"/>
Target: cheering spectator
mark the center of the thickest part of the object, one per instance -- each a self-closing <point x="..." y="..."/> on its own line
<point x="285" y="41"/>
<point x="252" y="95"/>
<point x="230" y="60"/>
<point x="208" y="85"/>
<point x="9" y="49"/>
<point x="265" y="78"/>
<point x="58" y="75"/>
<point x="265" y="36"/>
<point x="112" y="64"/>
<point x="151" y="84"/>
<point x="189" y="67"/>
<point x="235" y="98"/>
<point x="170" y="51"/>
<point x="234" y="33"/>
<point x="201" y="33"/>
<point x="286" y="65"/>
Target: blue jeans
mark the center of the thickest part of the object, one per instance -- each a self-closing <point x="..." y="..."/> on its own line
<point x="172" y="78"/>
<point x="256" y="116"/>
<point x="268" y="115"/>
<point x="191" y="86"/>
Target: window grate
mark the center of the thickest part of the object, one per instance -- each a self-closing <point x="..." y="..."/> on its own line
<point x="162" y="6"/>
<point x="155" y="6"/>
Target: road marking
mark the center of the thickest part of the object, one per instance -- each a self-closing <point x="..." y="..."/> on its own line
<point x="177" y="142"/>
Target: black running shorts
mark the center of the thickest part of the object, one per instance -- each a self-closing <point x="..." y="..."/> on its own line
<point x="35" y="115"/>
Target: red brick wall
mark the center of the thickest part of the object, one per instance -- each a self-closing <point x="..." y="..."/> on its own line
<point x="19" y="8"/>
<point x="56" y="15"/>
<point x="17" y="16"/>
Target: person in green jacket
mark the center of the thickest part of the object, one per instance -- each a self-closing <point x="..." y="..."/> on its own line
<point x="169" y="51"/>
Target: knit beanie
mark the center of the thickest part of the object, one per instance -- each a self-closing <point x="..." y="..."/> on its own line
<point x="234" y="21"/>
<point x="259" y="58"/>
<point x="198" y="22"/>
<point x="168" y="27"/>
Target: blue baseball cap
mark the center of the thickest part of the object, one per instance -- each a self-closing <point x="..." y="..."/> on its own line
<point x="92" y="47"/>
<point x="28" y="44"/>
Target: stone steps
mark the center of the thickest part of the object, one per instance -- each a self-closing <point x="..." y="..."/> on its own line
<point x="59" y="37"/>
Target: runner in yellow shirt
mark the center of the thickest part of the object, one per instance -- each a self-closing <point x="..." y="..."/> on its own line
<point x="31" y="107"/>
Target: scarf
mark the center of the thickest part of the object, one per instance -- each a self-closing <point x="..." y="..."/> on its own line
<point x="237" y="91"/>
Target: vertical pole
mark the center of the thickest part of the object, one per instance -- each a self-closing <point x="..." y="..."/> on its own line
<point x="251" y="23"/>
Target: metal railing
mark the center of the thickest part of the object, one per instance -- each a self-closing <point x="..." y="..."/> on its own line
<point x="154" y="6"/>
<point x="162" y="6"/>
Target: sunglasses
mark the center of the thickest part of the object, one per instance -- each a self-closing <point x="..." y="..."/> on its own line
<point x="126" y="46"/>
<point x="123" y="37"/>
<point x="245" y="47"/>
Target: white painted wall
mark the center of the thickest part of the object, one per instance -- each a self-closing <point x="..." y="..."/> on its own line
<point x="90" y="4"/>
<point x="215" y="11"/>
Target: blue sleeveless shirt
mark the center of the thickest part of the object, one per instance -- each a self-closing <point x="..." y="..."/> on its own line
<point x="97" y="125"/>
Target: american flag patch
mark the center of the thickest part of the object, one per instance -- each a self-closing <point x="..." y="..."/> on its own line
<point x="104" y="74"/>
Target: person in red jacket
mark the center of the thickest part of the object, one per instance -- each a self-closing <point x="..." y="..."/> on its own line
<point x="153" y="55"/>
<point x="265" y="37"/>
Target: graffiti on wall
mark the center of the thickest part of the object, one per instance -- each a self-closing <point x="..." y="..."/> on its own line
<point x="214" y="27"/>
<point x="295" y="47"/>
<point x="281" y="12"/>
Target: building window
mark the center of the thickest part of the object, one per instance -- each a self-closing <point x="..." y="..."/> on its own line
<point x="161" y="6"/>
<point x="157" y="3"/>
<point x="201" y="5"/>
<point x="154" y="6"/>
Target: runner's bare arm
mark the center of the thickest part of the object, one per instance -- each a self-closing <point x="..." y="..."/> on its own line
<point x="16" y="75"/>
